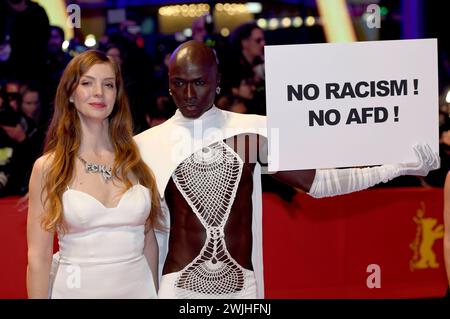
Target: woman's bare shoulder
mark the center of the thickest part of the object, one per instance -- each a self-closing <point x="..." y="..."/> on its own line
<point x="42" y="164"/>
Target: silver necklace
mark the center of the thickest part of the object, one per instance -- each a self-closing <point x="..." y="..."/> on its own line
<point x="97" y="168"/>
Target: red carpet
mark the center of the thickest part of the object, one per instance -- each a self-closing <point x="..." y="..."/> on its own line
<point x="13" y="250"/>
<point x="314" y="248"/>
<point x="321" y="248"/>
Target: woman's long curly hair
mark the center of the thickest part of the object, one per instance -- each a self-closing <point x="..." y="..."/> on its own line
<point x="64" y="136"/>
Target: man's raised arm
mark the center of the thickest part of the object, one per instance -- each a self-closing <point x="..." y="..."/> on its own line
<point x="330" y="182"/>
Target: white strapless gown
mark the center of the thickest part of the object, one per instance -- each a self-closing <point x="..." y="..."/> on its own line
<point x="101" y="254"/>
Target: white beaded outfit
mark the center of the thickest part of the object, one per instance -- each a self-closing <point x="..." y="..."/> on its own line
<point x="207" y="173"/>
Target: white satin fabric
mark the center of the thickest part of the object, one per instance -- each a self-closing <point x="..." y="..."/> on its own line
<point x="101" y="255"/>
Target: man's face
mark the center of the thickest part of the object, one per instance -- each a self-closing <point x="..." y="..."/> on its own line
<point x="192" y="85"/>
<point x="31" y="103"/>
<point x="55" y="41"/>
<point x="198" y="29"/>
<point x="12" y="91"/>
<point x="254" y="45"/>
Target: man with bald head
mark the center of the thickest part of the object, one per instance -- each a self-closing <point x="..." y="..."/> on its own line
<point x="207" y="163"/>
<point x="193" y="79"/>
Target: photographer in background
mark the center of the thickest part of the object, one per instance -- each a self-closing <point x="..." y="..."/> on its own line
<point x="7" y="118"/>
<point x="20" y="143"/>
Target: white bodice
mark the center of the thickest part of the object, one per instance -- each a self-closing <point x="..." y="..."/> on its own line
<point x="97" y="234"/>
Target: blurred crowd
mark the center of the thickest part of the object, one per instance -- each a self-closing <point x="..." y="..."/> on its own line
<point x="31" y="66"/>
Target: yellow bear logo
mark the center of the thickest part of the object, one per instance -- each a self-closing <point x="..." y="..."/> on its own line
<point x="426" y="235"/>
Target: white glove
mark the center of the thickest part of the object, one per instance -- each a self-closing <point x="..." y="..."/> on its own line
<point x="331" y="182"/>
<point x="428" y="161"/>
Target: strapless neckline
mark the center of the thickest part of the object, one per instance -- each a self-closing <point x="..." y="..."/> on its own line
<point x="94" y="199"/>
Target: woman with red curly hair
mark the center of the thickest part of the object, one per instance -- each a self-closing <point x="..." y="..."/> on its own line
<point x="92" y="188"/>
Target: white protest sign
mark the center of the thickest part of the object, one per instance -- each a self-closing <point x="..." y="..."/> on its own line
<point x="350" y="104"/>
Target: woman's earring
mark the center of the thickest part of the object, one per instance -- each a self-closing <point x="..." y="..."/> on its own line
<point x="170" y="92"/>
<point x="218" y="90"/>
<point x="71" y="100"/>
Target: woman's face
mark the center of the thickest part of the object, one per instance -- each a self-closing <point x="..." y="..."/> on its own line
<point x="96" y="92"/>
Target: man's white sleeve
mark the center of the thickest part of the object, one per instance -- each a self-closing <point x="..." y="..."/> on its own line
<point x="331" y="182"/>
